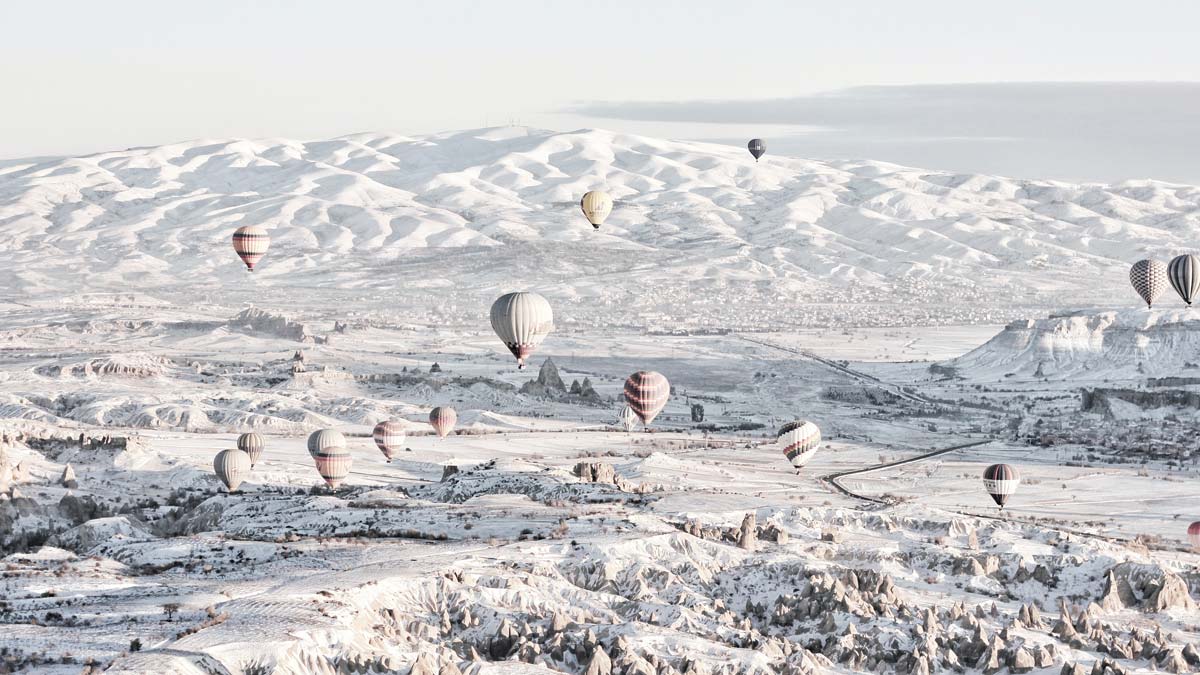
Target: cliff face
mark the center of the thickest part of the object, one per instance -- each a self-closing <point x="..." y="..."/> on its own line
<point x="1100" y="400"/>
<point x="1131" y="344"/>
<point x="254" y="320"/>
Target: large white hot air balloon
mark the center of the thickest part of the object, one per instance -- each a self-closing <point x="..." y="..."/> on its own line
<point x="324" y="439"/>
<point x="251" y="243"/>
<point x="647" y="392"/>
<point x="1149" y="279"/>
<point x="521" y="321"/>
<point x="334" y="465"/>
<point x="389" y="437"/>
<point x="798" y="441"/>
<point x="596" y="206"/>
<point x="232" y="467"/>
<point x="252" y="444"/>
<point x="443" y="418"/>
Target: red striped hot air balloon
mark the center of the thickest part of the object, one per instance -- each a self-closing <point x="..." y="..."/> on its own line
<point x="389" y="437"/>
<point x="251" y="243"/>
<point x="1001" y="480"/>
<point x="1194" y="534"/>
<point x="646" y="392"/>
<point x="334" y="465"/>
<point x="443" y="419"/>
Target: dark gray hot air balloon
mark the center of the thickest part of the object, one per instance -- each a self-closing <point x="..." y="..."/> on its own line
<point x="1184" y="273"/>
<point x="757" y="148"/>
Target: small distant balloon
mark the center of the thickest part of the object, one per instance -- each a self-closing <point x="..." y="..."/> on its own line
<point x="389" y="437"/>
<point x="1149" y="279"/>
<point x="627" y="419"/>
<point x="232" y="467"/>
<point x="334" y="465"/>
<point x="757" y="148"/>
<point x="251" y="243"/>
<point x="798" y="441"/>
<point x="324" y="439"/>
<point x="647" y="392"/>
<point x="1000" y="481"/>
<point x="521" y="321"/>
<point x="1194" y="534"/>
<point x="1184" y="273"/>
<point x="443" y="418"/>
<point x="252" y="444"/>
<point x="596" y="206"/>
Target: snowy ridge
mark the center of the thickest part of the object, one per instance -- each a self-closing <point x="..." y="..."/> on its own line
<point x="342" y="209"/>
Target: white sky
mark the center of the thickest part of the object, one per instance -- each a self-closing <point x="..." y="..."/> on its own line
<point x="82" y="76"/>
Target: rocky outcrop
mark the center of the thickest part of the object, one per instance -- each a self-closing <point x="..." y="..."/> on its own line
<point x="747" y="535"/>
<point x="257" y="321"/>
<point x="68" y="479"/>
<point x="547" y="383"/>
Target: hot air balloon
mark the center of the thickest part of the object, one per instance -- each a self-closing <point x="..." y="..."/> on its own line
<point x="522" y="321"/>
<point x="1184" y="275"/>
<point x="443" y="418"/>
<point x="1000" y="480"/>
<point x="799" y="440"/>
<point x="627" y="419"/>
<point x="757" y="148"/>
<point x="389" y="436"/>
<point x="252" y="444"/>
<point x="334" y="465"/>
<point x="251" y="243"/>
<point x="646" y="392"/>
<point x="323" y="440"/>
<point x="1149" y="279"/>
<point x="596" y="206"/>
<point x="1194" y="534"/>
<point x="232" y="467"/>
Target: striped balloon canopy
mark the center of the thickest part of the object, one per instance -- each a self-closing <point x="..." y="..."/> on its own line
<point x="1149" y="279"/>
<point x="1194" y="534"/>
<point x="647" y="392"/>
<point x="798" y="441"/>
<point x="596" y="206"/>
<point x="521" y="321"/>
<point x="252" y="444"/>
<point x="232" y="466"/>
<point x="389" y="437"/>
<point x="1184" y="274"/>
<point x="324" y="439"/>
<point x="443" y="419"/>
<point x="627" y="419"/>
<point x="334" y="465"/>
<point x="1000" y="481"/>
<point x="251" y="243"/>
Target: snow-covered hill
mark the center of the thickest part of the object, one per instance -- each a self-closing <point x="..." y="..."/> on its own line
<point x="498" y="207"/>
<point x="1127" y="344"/>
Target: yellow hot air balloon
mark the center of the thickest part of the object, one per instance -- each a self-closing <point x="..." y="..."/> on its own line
<point x="596" y="206"/>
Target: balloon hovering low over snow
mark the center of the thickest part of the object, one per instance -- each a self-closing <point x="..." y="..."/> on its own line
<point x="251" y="243"/>
<point x="1184" y="274"/>
<point x="1149" y="279"/>
<point x="521" y="321"/>
<point x="596" y="206"/>
<point x="232" y="467"/>
<point x="325" y="439"/>
<point x="757" y="148"/>
<point x="252" y="444"/>
<point x="389" y="437"/>
<point x="442" y="419"/>
<point x="1000" y="481"/>
<point x="334" y="465"/>
<point x="647" y="392"/>
<point x="798" y="442"/>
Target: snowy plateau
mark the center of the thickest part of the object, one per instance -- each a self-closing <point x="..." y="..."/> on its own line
<point x="930" y="323"/>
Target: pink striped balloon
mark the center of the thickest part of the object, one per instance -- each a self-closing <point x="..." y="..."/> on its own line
<point x="389" y="437"/>
<point x="647" y="392"/>
<point x="334" y="465"/>
<point x="443" y="419"/>
<point x="251" y="243"/>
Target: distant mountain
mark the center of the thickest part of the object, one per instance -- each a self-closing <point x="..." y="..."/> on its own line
<point x="696" y="227"/>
